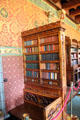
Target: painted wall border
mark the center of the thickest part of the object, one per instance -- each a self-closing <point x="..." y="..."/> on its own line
<point x="46" y="7"/>
<point x="10" y="51"/>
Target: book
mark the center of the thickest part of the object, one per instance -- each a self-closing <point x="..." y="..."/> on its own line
<point x="42" y="40"/>
<point x="49" y="75"/>
<point x="55" y="76"/>
<point x="47" y="66"/>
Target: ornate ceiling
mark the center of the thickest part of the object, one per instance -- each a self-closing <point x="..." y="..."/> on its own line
<point x="72" y="8"/>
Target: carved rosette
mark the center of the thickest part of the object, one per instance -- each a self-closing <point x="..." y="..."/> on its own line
<point x="61" y="14"/>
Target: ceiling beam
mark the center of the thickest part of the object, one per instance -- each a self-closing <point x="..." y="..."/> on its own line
<point x="71" y="4"/>
<point x="51" y="3"/>
<point x="55" y="1"/>
<point x="77" y="18"/>
<point x="74" y="13"/>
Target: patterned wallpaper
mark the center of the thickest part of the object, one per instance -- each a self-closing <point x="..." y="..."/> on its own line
<point x="15" y="18"/>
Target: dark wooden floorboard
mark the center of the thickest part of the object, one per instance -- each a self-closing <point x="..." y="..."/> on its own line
<point x="35" y="113"/>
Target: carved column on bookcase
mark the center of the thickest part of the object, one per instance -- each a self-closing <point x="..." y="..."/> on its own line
<point x="62" y="54"/>
<point x="39" y="59"/>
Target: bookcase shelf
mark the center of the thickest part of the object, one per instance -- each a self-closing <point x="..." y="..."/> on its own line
<point x="45" y="52"/>
<point x="32" y="61"/>
<point x="29" y="46"/>
<point x="31" y="77"/>
<point x="49" y="43"/>
<point x="72" y="59"/>
<point x="32" y="69"/>
<point x="42" y="90"/>
<point x="55" y="61"/>
<point x="50" y="51"/>
<point x="45" y="70"/>
<point x="35" y="53"/>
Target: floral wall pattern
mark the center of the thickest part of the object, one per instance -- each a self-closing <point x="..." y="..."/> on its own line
<point x="15" y="18"/>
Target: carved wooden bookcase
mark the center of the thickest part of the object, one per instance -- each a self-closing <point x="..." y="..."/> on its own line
<point x="44" y="64"/>
<point x="71" y="59"/>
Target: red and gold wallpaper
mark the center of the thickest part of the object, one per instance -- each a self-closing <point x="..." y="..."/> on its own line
<point x="15" y="17"/>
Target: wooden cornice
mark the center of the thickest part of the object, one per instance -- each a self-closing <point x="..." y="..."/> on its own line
<point x="71" y="4"/>
<point x="57" y="25"/>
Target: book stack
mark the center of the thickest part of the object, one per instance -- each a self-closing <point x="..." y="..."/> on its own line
<point x="30" y="42"/>
<point x="32" y="66"/>
<point x="49" y="48"/>
<point x="50" y="75"/>
<point x="49" y="66"/>
<point x="31" y="49"/>
<point x="32" y="57"/>
<point x="50" y="56"/>
<point x="32" y="74"/>
<point x="49" y="39"/>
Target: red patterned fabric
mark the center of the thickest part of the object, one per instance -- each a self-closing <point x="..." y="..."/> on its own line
<point x="13" y="71"/>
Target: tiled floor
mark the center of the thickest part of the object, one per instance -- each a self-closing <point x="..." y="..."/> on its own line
<point x="75" y="106"/>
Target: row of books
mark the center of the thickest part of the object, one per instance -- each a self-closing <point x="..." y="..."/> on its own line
<point x="50" y="66"/>
<point x="32" y="74"/>
<point x="30" y="42"/>
<point x="74" y="56"/>
<point x="50" y="56"/>
<point x="49" y="39"/>
<point x="32" y="66"/>
<point x="32" y="49"/>
<point x="49" y="48"/>
<point x="74" y="62"/>
<point x="49" y="75"/>
<point x="32" y="57"/>
<point x="74" y="49"/>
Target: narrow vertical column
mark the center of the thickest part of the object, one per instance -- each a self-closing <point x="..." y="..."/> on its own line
<point x="62" y="54"/>
<point x="39" y="59"/>
<point x="2" y="96"/>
